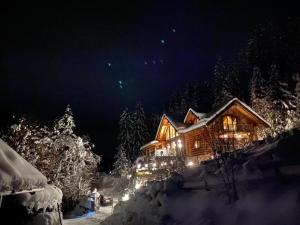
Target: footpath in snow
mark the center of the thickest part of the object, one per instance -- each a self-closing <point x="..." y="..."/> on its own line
<point x="91" y="218"/>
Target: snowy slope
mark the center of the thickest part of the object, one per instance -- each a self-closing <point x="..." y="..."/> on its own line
<point x="266" y="196"/>
<point x="16" y="174"/>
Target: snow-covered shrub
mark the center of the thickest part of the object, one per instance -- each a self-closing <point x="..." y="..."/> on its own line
<point x="65" y="158"/>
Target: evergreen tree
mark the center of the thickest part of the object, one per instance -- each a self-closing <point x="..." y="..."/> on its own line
<point x="66" y="124"/>
<point x="260" y="99"/>
<point x="224" y="82"/>
<point x="121" y="165"/>
<point x="76" y="163"/>
<point x="140" y="132"/>
<point x="126" y="132"/>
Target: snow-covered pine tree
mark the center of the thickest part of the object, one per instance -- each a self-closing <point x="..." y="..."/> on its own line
<point x="76" y="163"/>
<point x="126" y="132"/>
<point x="224" y="83"/>
<point x="260" y="100"/>
<point x="66" y="124"/>
<point x="121" y="165"/>
<point x="140" y="131"/>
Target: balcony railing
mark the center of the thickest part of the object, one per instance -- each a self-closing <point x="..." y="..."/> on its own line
<point x="236" y="128"/>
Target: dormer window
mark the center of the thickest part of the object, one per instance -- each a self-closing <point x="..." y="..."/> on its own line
<point x="229" y="123"/>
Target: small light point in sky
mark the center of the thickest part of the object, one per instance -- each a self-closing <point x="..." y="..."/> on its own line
<point x="120" y="82"/>
<point x="162" y="41"/>
<point x="146" y="63"/>
<point x="173" y="30"/>
<point x="109" y="64"/>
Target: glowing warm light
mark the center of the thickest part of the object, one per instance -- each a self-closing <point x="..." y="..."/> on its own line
<point x="137" y="185"/>
<point x="190" y="163"/>
<point x="146" y="165"/>
<point x="125" y="197"/>
<point x="212" y="157"/>
<point x="239" y="136"/>
<point x="225" y="136"/>
<point x="179" y="144"/>
<point x="139" y="165"/>
<point x="154" y="165"/>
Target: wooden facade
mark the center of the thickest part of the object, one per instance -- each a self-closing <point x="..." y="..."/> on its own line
<point x="233" y="126"/>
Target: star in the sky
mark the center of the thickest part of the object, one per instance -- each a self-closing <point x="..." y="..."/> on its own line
<point x="173" y="30"/>
<point x="146" y="63"/>
<point x="120" y="83"/>
<point x="109" y="64"/>
<point x="162" y="41"/>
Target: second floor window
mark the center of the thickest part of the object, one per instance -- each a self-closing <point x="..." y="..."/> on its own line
<point x="197" y="144"/>
<point x="229" y="123"/>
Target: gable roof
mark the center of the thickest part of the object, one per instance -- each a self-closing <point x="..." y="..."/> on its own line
<point x="175" y="123"/>
<point x="212" y="115"/>
<point x="199" y="115"/>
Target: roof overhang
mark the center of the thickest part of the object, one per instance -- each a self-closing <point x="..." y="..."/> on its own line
<point x="149" y="144"/>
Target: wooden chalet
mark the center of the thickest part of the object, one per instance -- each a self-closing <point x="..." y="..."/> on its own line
<point x="199" y="136"/>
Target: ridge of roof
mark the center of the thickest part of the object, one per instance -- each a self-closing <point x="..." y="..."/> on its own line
<point x="212" y="115"/>
<point x="199" y="115"/>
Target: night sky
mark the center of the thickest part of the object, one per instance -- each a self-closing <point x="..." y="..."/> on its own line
<point x="102" y="58"/>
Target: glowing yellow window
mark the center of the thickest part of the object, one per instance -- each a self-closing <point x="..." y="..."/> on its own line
<point x="229" y="123"/>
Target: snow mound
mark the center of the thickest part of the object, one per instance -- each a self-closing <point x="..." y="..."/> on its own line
<point x="45" y="199"/>
<point x="16" y="174"/>
<point x="265" y="195"/>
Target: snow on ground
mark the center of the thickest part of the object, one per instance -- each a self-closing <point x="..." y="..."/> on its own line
<point x="265" y="195"/>
<point x="90" y="218"/>
<point x="16" y="174"/>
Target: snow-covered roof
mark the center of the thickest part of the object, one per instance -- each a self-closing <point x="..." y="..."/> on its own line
<point x="177" y="125"/>
<point x="148" y="144"/>
<point x="213" y="115"/>
<point x="16" y="174"/>
<point x="199" y="115"/>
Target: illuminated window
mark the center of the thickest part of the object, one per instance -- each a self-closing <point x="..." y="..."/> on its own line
<point x="197" y="144"/>
<point x="229" y="123"/>
<point x="170" y="132"/>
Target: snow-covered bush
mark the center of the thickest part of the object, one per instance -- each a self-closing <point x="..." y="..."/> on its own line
<point x="65" y="158"/>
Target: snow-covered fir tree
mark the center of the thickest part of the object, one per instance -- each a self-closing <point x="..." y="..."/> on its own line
<point x="140" y="131"/>
<point x="225" y="83"/>
<point x="126" y="132"/>
<point x="260" y="99"/>
<point x="121" y="165"/>
<point x="77" y="164"/>
<point x="66" y="124"/>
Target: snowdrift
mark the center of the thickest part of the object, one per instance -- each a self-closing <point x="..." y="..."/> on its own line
<point x="16" y="174"/>
<point x="268" y="193"/>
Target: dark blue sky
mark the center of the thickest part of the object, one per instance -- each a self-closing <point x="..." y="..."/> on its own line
<point x="76" y="54"/>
